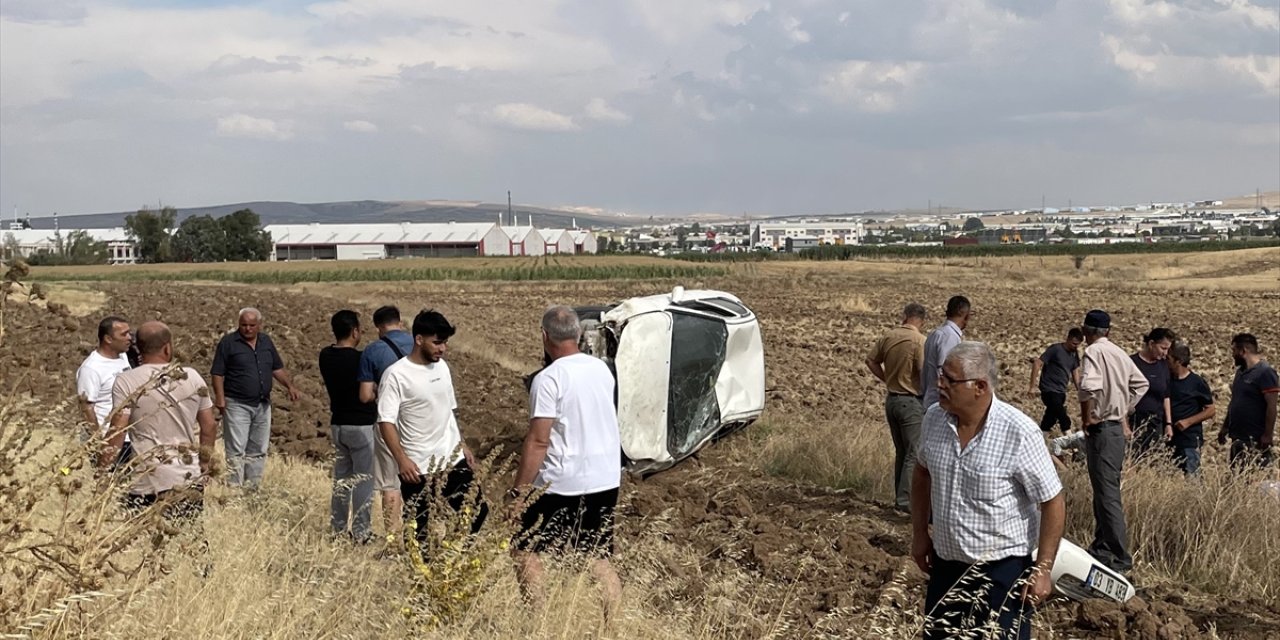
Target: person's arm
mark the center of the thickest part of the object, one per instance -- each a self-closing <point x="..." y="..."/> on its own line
<point x="282" y="376"/>
<point x="86" y="386"/>
<point x="407" y="469"/>
<point x="388" y="413"/>
<point x="208" y="435"/>
<point x="875" y="361"/>
<point x="1090" y="385"/>
<point x="1206" y="413"/>
<point x="1036" y="366"/>
<point x="1053" y="517"/>
<point x="921" y="509"/>
<point x="876" y="369"/>
<point x="115" y="440"/>
<point x="1269" y="420"/>
<point x="534" y="451"/>
<point x="219" y="394"/>
<point x="368" y="392"/>
<point x="1168" y="419"/>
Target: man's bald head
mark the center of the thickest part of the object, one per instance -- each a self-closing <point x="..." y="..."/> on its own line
<point x="153" y="337"/>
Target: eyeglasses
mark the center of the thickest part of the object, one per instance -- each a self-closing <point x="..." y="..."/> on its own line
<point x="946" y="380"/>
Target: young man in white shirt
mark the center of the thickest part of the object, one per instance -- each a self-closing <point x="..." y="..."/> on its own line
<point x="573" y="452"/>
<point x="415" y="417"/>
<point x="95" y="378"/>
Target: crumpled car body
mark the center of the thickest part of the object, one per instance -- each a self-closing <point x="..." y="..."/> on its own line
<point x="689" y="367"/>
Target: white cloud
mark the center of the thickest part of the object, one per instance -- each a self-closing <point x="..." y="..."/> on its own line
<point x="875" y="87"/>
<point x="599" y="110"/>
<point x="240" y="125"/>
<point x="360" y="126"/>
<point x="527" y="117"/>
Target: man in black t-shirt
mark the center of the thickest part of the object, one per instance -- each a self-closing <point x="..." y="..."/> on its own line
<point x="1191" y="403"/>
<point x="352" y="427"/>
<point x="1251" y="415"/>
<point x="1056" y="367"/>
<point x="1152" y="420"/>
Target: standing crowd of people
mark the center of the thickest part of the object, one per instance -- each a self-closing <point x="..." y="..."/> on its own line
<point x="393" y="426"/>
<point x="979" y="479"/>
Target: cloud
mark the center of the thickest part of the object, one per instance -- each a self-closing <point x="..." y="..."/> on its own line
<point x="360" y="126"/>
<point x="232" y="64"/>
<point x="599" y="110"/>
<point x="240" y="125"/>
<point x="761" y="105"/>
<point x="64" y="12"/>
<point x="522" y="116"/>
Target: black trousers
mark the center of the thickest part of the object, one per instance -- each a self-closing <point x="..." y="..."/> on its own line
<point x="454" y="486"/>
<point x="962" y="598"/>
<point x="1055" y="411"/>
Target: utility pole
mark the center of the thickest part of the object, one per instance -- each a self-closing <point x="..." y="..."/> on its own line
<point x="509" y="214"/>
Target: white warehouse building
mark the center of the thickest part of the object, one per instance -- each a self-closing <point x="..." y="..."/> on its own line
<point x="317" y="241"/>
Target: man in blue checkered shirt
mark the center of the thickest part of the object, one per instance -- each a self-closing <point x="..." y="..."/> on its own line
<point x="984" y="475"/>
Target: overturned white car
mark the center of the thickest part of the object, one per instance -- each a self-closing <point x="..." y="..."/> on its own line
<point x="689" y="366"/>
<point x="1079" y="576"/>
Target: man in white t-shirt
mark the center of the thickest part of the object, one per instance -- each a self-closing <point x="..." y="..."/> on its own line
<point x="96" y="376"/>
<point x="573" y="452"/>
<point x="415" y="417"/>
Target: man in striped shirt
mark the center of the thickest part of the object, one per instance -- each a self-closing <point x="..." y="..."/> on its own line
<point x="984" y="475"/>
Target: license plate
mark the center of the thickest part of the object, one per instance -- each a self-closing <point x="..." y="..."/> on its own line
<point x="1103" y="583"/>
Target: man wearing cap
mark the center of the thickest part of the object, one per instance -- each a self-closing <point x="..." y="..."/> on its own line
<point x="1110" y="387"/>
<point x="896" y="360"/>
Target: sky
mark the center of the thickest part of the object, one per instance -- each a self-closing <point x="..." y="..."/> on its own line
<point x="638" y="106"/>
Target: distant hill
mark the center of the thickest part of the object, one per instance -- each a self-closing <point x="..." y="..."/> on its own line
<point x="363" y="211"/>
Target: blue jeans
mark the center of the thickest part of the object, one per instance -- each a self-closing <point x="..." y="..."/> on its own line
<point x="1187" y="459"/>
<point x="352" y="480"/>
<point x="246" y="432"/>
<point x="964" y="597"/>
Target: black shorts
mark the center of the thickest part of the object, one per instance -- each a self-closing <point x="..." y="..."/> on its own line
<point x="555" y="523"/>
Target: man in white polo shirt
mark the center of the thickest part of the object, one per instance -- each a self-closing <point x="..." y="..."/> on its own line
<point x="415" y="416"/>
<point x="96" y="376"/>
<point x="573" y="452"/>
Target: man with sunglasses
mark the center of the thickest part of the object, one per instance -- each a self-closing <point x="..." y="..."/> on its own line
<point x="1110" y="387"/>
<point x="985" y="477"/>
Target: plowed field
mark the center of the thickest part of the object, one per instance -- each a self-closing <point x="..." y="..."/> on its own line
<point x="824" y="559"/>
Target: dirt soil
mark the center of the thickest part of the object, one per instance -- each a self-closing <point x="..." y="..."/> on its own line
<point x="822" y="558"/>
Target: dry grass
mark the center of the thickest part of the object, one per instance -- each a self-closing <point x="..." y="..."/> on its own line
<point x="1215" y="534"/>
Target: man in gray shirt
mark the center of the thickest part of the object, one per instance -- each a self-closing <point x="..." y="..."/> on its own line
<point x="940" y="342"/>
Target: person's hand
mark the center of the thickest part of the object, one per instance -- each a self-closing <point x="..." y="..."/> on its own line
<point x="1222" y="436"/>
<point x="470" y="457"/>
<point x="1179" y="425"/>
<point x="922" y="552"/>
<point x="293" y="394"/>
<point x="409" y="471"/>
<point x="1039" y="586"/>
<point x="221" y="405"/>
<point x="1168" y="432"/>
<point x="1128" y="433"/>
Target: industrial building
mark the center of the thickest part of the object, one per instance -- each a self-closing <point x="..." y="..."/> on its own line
<point x="27" y="242"/>
<point x="394" y="240"/>
<point x="774" y="235"/>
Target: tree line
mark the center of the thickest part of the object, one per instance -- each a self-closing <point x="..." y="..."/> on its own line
<point x="235" y="237"/>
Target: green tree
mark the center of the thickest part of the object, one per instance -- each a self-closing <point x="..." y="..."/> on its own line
<point x="245" y="239"/>
<point x="973" y="224"/>
<point x="151" y="230"/>
<point x="200" y="239"/>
